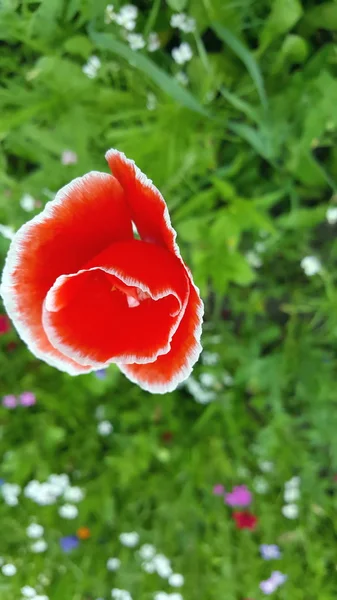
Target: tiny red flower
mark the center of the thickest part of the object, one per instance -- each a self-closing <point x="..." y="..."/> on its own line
<point x="245" y="520"/>
<point x="83" y="292"/>
<point x="4" y="324"/>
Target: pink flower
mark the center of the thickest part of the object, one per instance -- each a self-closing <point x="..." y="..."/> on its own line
<point x="27" y="399"/>
<point x="4" y="324"/>
<point x="68" y="157"/>
<point x="218" y="490"/>
<point x="239" y="496"/>
<point x="9" y="401"/>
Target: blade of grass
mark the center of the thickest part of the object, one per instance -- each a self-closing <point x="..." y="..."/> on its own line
<point x="245" y="56"/>
<point x="164" y="81"/>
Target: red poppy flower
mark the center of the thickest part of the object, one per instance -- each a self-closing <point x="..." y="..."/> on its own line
<point x="4" y="324"/>
<point x="245" y="520"/>
<point x="84" y="293"/>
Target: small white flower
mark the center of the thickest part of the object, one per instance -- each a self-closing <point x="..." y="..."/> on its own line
<point x="294" y="482"/>
<point x="104" y="428"/>
<point x="175" y="596"/>
<point x="148" y="566"/>
<point x="10" y="489"/>
<point x="127" y="17"/>
<point x="39" y="546"/>
<point x="11" y="500"/>
<point x="68" y="511"/>
<point x="109" y="14"/>
<point x="291" y="494"/>
<point x="266" y="466"/>
<point x="182" y="53"/>
<point x="9" y="570"/>
<point x="147" y="551"/>
<point x="210" y="358"/>
<point x="113" y="564"/>
<point x="311" y="265"/>
<point x="61" y="482"/>
<point x="68" y="157"/>
<point x="182" y="78"/>
<point x="161" y="596"/>
<point x="228" y="379"/>
<point x="199" y="394"/>
<point x="129" y="539"/>
<point x="207" y="379"/>
<point x="260" y="485"/>
<point x="290" y="511"/>
<point x="153" y="42"/>
<point x="162" y="565"/>
<point x="183" y="22"/>
<point x="7" y="231"/>
<point x="136" y="41"/>
<point x="27" y="202"/>
<point x="151" y="102"/>
<point x="34" y="531"/>
<point x="253" y="259"/>
<point x="118" y="594"/>
<point x="91" y="68"/>
<point x="73" y="494"/>
<point x="176" y="580"/>
<point x="39" y="597"/>
<point x="331" y="215"/>
<point x="28" y="592"/>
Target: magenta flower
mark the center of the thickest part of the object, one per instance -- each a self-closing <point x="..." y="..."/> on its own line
<point x="9" y="401"/>
<point x="27" y="399"/>
<point x="218" y="490"/>
<point x="239" y="496"/>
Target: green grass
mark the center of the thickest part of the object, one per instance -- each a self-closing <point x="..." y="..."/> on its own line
<point x="244" y="155"/>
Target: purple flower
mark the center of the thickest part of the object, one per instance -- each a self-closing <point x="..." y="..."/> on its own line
<point x="27" y="399"/>
<point x="69" y="543"/>
<point x="9" y="401"/>
<point x="270" y="551"/>
<point x="239" y="496"/>
<point x="278" y="577"/>
<point x="218" y="490"/>
<point x="275" y="580"/>
<point x="101" y="374"/>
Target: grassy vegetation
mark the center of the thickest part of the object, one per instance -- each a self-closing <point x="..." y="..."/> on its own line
<point x="243" y="148"/>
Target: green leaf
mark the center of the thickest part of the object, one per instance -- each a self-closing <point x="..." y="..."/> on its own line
<point x="284" y="15"/>
<point x="166" y="83"/>
<point x="79" y="45"/>
<point x="177" y="5"/>
<point x="245" y="56"/>
<point x="323" y="16"/>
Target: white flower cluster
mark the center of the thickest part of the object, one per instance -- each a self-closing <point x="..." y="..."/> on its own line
<point x="200" y="395"/>
<point x="166" y="596"/>
<point x="153" y="562"/>
<point x="29" y="592"/>
<point x="127" y="19"/>
<point x="183" y="22"/>
<point x="253" y="259"/>
<point x="311" y="265"/>
<point x="291" y="495"/>
<point x="49" y="492"/>
<point x="136" y="41"/>
<point x="92" y="66"/>
<point x="113" y="564"/>
<point x="104" y="428"/>
<point x="35" y="532"/>
<point x="182" y="54"/>
<point x="10" y="493"/>
<point x="7" y="231"/>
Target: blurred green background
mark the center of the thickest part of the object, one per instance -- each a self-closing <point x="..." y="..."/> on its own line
<point x="229" y="106"/>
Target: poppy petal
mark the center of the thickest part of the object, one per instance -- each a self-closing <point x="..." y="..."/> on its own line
<point x="169" y="370"/>
<point x="124" y="306"/>
<point x="147" y="206"/>
<point x="85" y="217"/>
